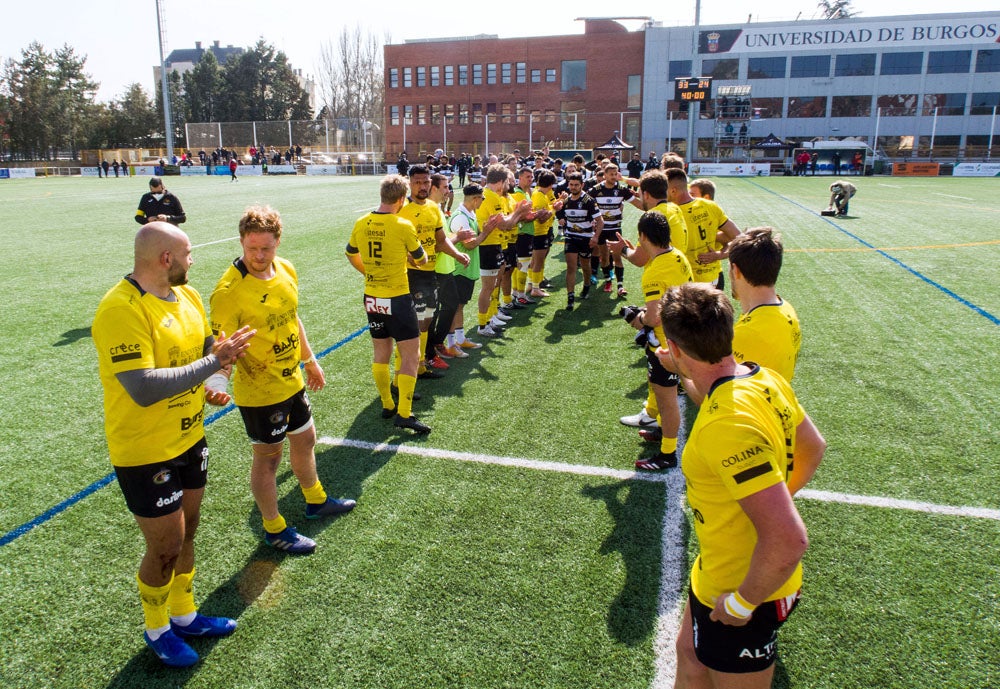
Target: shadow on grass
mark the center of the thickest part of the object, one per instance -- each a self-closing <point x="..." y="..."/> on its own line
<point x="71" y="336"/>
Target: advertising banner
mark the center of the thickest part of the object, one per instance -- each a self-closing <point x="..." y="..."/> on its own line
<point x="280" y="169"/>
<point x="976" y="170"/>
<point x="144" y="170"/>
<point x="21" y="172"/>
<point x="89" y="171"/>
<point x="916" y="169"/>
<point x="321" y="170"/>
<point x="729" y="170"/>
<point x="193" y="171"/>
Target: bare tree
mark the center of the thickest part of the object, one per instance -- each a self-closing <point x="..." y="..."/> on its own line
<point x="836" y="9"/>
<point x="352" y="81"/>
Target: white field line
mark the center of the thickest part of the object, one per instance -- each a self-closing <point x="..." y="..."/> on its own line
<point x="894" y="186"/>
<point x="217" y="241"/>
<point x="672" y="554"/>
<point x="369" y="209"/>
<point x="952" y="196"/>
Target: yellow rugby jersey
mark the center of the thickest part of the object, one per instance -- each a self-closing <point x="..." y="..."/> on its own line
<point x="384" y="240"/>
<point x="427" y="219"/>
<point x="678" y="229"/>
<point x="135" y="330"/>
<point x="491" y="205"/>
<point x="702" y="220"/>
<point x="543" y="201"/>
<point x="769" y="335"/>
<point x="662" y="272"/>
<point x="740" y="444"/>
<point x="269" y="373"/>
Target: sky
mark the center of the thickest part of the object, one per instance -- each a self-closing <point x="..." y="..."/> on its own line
<point x="119" y="37"/>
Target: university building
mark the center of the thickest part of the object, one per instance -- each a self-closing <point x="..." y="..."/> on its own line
<point x="909" y="81"/>
<point x="917" y="85"/>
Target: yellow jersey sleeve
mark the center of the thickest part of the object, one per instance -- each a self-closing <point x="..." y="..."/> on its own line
<point x="492" y="205"/>
<point x="702" y="220"/>
<point x="542" y="201"/>
<point x="134" y="330"/>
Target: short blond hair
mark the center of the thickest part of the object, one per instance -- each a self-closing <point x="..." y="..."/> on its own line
<point x="393" y="188"/>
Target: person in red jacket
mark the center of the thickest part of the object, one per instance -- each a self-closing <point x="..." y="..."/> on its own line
<point x="232" y="169"/>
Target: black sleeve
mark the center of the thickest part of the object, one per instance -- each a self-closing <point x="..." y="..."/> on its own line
<point x="179" y="216"/>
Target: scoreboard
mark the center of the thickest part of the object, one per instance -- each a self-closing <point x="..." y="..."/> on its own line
<point x="692" y="89"/>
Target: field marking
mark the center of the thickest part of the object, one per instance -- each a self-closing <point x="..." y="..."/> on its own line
<point x="217" y="241"/>
<point x="990" y="242"/>
<point x="894" y="186"/>
<point x="369" y="209"/>
<point x="961" y="300"/>
<point x="952" y="196"/>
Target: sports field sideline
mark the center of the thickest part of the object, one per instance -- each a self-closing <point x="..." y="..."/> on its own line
<point x="514" y="546"/>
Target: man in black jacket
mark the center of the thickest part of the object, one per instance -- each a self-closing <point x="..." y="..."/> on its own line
<point x="159" y="204"/>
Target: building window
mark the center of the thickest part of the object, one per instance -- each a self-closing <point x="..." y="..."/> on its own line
<point x="491" y="73"/>
<point x="536" y="76"/>
<point x="767" y="108"/>
<point x="855" y="65"/>
<point x="408" y="114"/>
<point x="766" y="68"/>
<point x="505" y="113"/>
<point x="983" y="103"/>
<point x="550" y="75"/>
<point x="522" y="72"/>
<point x="506" y="73"/>
<point x="807" y="106"/>
<point x="435" y="76"/>
<point x="463" y="75"/>
<point x="634" y="98"/>
<point x="805" y="66"/>
<point x="435" y="114"/>
<point x="949" y="61"/>
<point x="394" y="115"/>
<point x="572" y="117"/>
<point x="421" y="77"/>
<point x="681" y="68"/>
<point x="521" y="109"/>
<point x="463" y="113"/>
<point x="946" y="104"/>
<point x="477" y="75"/>
<point x="988" y="61"/>
<point x="550" y="115"/>
<point x="477" y="113"/>
<point x="407" y="77"/>
<point x="851" y="106"/>
<point x="421" y="114"/>
<point x="902" y="63"/>
<point x="449" y="113"/>
<point x="394" y="78"/>
<point x="720" y="69"/>
<point x="574" y="75"/>
<point x="449" y="75"/>
<point x="898" y="105"/>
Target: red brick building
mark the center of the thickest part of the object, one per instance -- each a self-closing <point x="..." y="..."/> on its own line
<point x="470" y="94"/>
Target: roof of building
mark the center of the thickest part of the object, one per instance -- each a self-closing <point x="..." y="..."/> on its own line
<point x="193" y="55"/>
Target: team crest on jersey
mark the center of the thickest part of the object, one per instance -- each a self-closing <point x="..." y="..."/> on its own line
<point x="162" y="477"/>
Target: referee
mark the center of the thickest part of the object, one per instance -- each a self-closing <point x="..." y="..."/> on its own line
<point x="159" y="204"/>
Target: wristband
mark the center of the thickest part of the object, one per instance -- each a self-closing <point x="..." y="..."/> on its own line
<point x="738" y="606"/>
<point x="309" y="360"/>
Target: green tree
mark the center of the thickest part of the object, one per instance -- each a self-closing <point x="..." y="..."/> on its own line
<point x="260" y="85"/>
<point x="836" y="9"/>
<point x="352" y="81"/>
<point x="27" y="86"/>
<point x="203" y="89"/>
<point x="73" y="99"/>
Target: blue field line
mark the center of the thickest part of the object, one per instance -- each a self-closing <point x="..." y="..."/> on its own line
<point x="14" y="534"/>
<point x="961" y="300"/>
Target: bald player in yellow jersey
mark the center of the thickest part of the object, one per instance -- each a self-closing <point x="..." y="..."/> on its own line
<point x="155" y="349"/>
<point x="380" y="247"/>
<point x="751" y="448"/>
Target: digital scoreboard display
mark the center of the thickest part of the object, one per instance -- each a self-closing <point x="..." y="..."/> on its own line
<point x="688" y="89"/>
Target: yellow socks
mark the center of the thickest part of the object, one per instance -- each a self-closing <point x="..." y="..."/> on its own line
<point x="383" y="382"/>
<point x="154" y="605"/>
<point x="406" y="386"/>
<point x="181" y="598"/>
<point x="315" y="495"/>
<point x="668" y="445"/>
<point x="276" y="525"/>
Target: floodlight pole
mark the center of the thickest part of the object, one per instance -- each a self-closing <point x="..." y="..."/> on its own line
<point x="933" y="132"/>
<point x="694" y="106"/>
<point x="164" y="88"/>
<point x="993" y="121"/>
